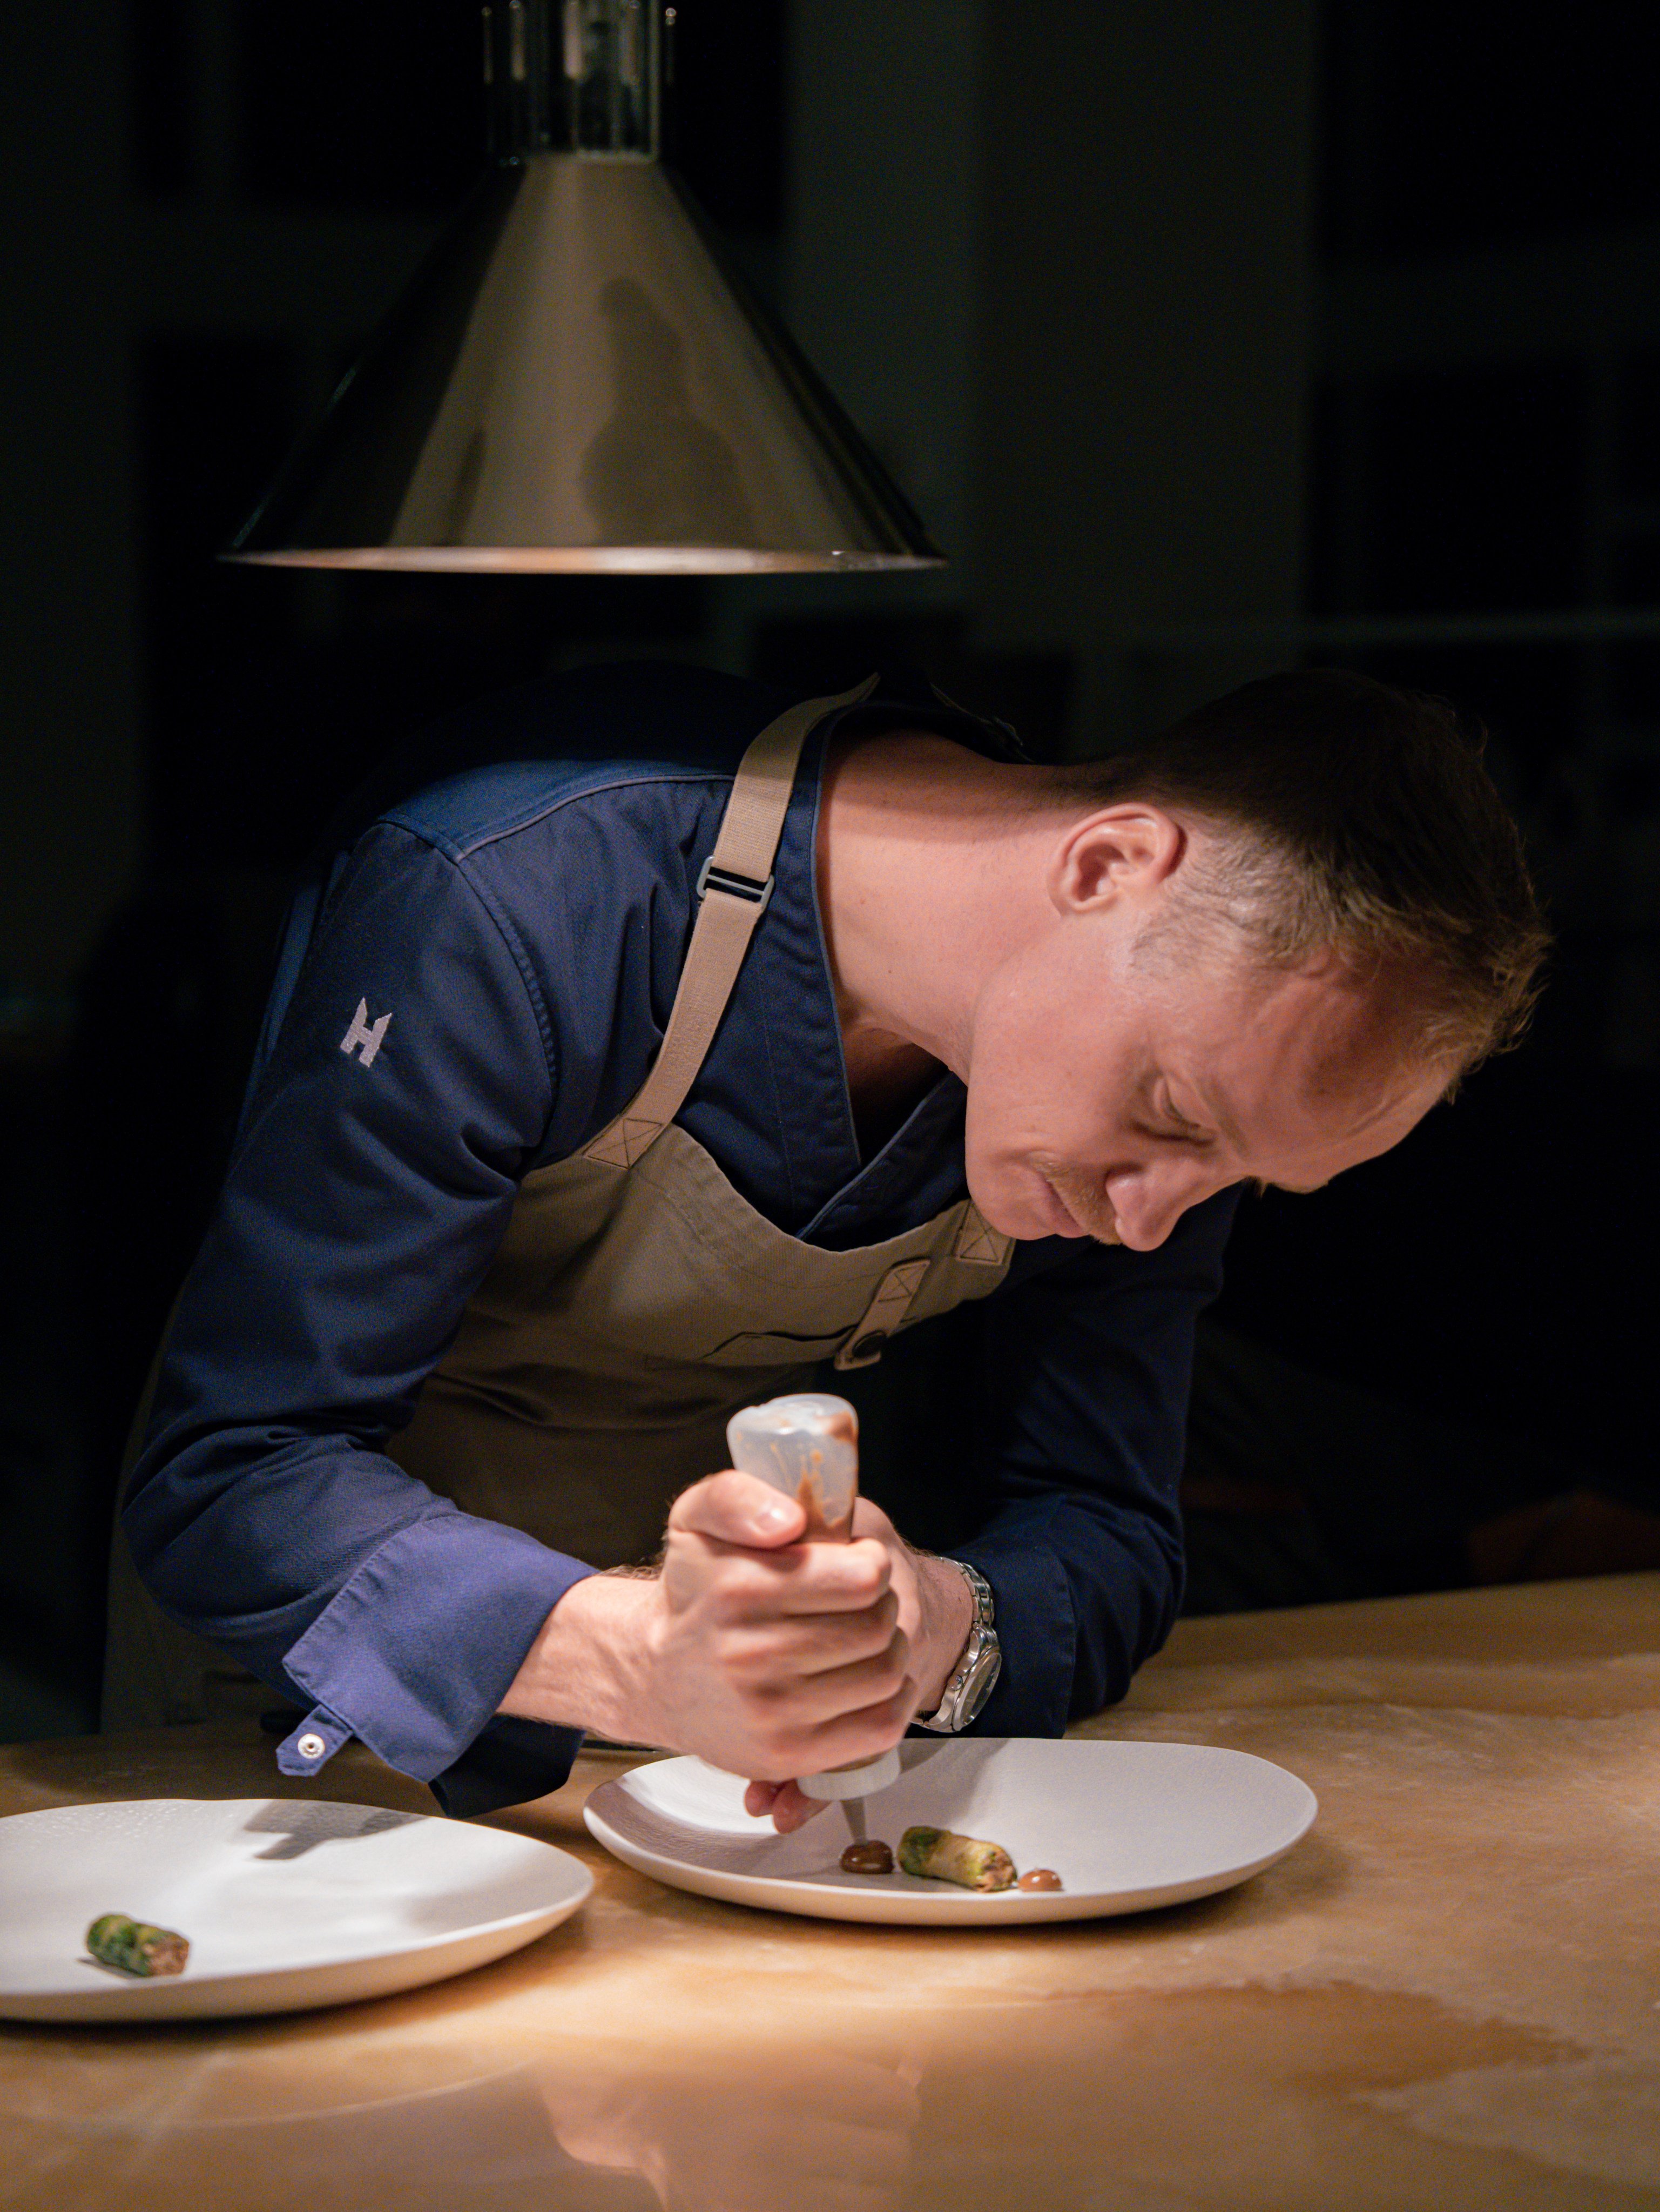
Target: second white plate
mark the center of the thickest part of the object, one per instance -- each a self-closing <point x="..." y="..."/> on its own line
<point x="287" y="1903"/>
<point x="1126" y="1827"/>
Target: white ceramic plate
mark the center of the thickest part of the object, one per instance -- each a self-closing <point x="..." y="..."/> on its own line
<point x="1125" y="1825"/>
<point x="287" y="1903"/>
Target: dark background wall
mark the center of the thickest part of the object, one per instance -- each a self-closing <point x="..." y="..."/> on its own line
<point x="1206" y="338"/>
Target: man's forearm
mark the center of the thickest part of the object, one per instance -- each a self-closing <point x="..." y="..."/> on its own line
<point x="587" y="1666"/>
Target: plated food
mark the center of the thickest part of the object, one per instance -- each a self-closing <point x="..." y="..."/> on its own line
<point x="133" y="1946"/>
<point x="872" y="1857"/>
<point x="939" y="1854"/>
<point x="1092" y="1827"/>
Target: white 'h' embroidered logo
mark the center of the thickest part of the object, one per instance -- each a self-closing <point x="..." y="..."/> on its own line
<point x="364" y="1032"/>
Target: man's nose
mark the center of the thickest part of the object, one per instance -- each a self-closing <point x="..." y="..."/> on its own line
<point x="1148" y="1202"/>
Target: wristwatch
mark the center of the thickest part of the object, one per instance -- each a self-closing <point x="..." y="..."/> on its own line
<point x="976" y="1671"/>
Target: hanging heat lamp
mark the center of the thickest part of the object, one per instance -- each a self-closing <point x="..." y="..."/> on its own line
<point x="577" y="379"/>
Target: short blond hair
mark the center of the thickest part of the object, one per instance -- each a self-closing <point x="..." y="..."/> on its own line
<point x="1352" y="818"/>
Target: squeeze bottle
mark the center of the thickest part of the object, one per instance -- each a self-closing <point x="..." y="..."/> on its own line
<point x="808" y="1446"/>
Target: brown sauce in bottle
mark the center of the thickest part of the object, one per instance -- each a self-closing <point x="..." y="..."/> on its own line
<point x="809" y="1496"/>
<point x="810" y="1490"/>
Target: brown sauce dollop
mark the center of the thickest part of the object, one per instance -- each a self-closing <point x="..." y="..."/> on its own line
<point x="874" y="1857"/>
<point x="1039" y="1878"/>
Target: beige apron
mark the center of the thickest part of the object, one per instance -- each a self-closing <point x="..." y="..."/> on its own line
<point x="635" y="1302"/>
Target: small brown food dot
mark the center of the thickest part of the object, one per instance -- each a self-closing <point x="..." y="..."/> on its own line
<point x="1039" y="1878"/>
<point x="874" y="1857"/>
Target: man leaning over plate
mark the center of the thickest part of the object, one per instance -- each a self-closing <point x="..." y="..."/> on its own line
<point x="660" y="1042"/>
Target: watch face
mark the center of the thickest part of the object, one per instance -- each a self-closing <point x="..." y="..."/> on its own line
<point x="982" y="1678"/>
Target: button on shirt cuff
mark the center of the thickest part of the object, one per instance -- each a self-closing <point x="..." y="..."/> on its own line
<point x="415" y="1653"/>
<point x="313" y="1743"/>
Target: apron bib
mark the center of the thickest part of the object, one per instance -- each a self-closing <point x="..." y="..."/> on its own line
<point x="636" y="1301"/>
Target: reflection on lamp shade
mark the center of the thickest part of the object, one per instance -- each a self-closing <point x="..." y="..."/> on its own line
<point x="577" y="381"/>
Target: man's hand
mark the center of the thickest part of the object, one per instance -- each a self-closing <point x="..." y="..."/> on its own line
<point x="766" y="1656"/>
<point x="935" y="1613"/>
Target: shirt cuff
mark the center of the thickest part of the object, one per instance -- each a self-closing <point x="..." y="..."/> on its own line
<point x="1037" y="1633"/>
<point x="415" y="1653"/>
<point x="510" y="1762"/>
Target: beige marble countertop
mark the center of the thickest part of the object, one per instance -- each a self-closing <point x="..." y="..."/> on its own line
<point x="1448" y="1995"/>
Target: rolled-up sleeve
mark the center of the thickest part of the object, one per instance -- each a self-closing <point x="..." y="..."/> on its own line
<point x="410" y="1079"/>
<point x="1083" y="1372"/>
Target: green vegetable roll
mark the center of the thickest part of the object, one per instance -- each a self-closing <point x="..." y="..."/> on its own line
<point x="936" y="1853"/>
<point x="135" y="1946"/>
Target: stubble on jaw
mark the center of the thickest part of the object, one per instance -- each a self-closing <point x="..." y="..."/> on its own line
<point x="1083" y="1197"/>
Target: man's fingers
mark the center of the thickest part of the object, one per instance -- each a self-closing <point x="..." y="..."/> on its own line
<point x="816" y="1700"/>
<point x="791" y="1807"/>
<point x="837" y="1578"/>
<point x="853" y="1735"/>
<point x="807" y="1735"/>
<point x="744" y="1581"/>
<point x="787" y="1801"/>
<point x="794" y="1648"/>
<point x="736" y="1509"/>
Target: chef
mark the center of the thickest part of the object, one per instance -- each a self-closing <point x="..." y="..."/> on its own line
<point x="659" y="1042"/>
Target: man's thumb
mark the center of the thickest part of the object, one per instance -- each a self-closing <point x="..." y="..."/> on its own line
<point x="738" y="1508"/>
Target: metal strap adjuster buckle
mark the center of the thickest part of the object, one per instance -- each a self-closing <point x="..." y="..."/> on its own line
<point x="712" y="878"/>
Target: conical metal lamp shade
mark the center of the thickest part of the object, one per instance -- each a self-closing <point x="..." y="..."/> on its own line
<point x="576" y="381"/>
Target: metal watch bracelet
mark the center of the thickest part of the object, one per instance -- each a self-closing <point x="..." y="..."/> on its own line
<point x="976" y="1673"/>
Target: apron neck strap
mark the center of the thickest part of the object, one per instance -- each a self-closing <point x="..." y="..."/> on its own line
<point x="733" y="891"/>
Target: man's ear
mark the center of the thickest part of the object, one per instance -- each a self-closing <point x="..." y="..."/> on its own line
<point x="1124" y="852"/>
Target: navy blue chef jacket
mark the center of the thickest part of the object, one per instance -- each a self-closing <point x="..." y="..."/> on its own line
<point x="513" y="934"/>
